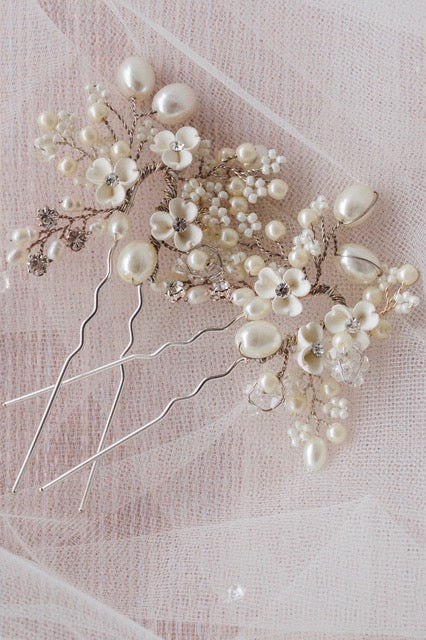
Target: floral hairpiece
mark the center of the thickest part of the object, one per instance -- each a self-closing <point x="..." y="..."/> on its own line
<point x="208" y="221"/>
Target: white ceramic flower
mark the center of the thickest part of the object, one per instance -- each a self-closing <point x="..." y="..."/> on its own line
<point x="356" y="322"/>
<point x="112" y="182"/>
<point x="310" y="350"/>
<point x="177" y="223"/>
<point x="175" y="149"/>
<point x="284" y="291"/>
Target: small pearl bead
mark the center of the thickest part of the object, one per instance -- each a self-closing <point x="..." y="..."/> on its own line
<point x="275" y="230"/>
<point x="315" y="454"/>
<point x="298" y="258"/>
<point x="174" y="103"/>
<point x="330" y="387"/>
<point x="257" y="308"/>
<point x="97" y="112"/>
<point x="89" y="135"/>
<point x="97" y="227"/>
<point x="119" y="149"/>
<point x="24" y="236"/>
<point x="69" y="203"/>
<point x="246" y="153"/>
<point x="269" y="382"/>
<point x="308" y="218"/>
<point x="198" y="295"/>
<point x="135" y="78"/>
<point x="224" y="154"/>
<point x="258" y="339"/>
<point x="295" y="403"/>
<point x="337" y="433"/>
<point x="241" y="296"/>
<point x="383" y="330"/>
<point x="407" y="274"/>
<point x="342" y="341"/>
<point x="17" y="255"/>
<point x="253" y="264"/>
<point x="235" y="187"/>
<point x="136" y="262"/>
<point x="68" y="166"/>
<point x="237" y="204"/>
<point x="229" y="237"/>
<point x="373" y="295"/>
<point x="118" y="225"/>
<point x="197" y="259"/>
<point x="47" y="121"/>
<point x="277" y="189"/>
<point x="55" y="250"/>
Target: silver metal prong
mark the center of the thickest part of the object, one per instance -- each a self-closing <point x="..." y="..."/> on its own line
<point x="144" y="427"/>
<point x="65" y="366"/>
<point x="115" y="401"/>
<point x="120" y="361"/>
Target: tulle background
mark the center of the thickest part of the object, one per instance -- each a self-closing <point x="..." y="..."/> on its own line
<point x="208" y="526"/>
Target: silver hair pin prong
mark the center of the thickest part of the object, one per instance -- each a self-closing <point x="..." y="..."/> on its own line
<point x="65" y="366"/>
<point x="146" y="426"/>
<point x="116" y="398"/>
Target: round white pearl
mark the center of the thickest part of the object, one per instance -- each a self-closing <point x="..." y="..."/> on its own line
<point x="358" y="263"/>
<point x="308" y="218"/>
<point x="295" y="403"/>
<point x="342" y="341"/>
<point x="315" y="454"/>
<point x="237" y="204"/>
<point x="198" y="295"/>
<point x="269" y="382"/>
<point x="351" y="205"/>
<point x="174" y="103"/>
<point x="56" y="249"/>
<point x="47" y="121"/>
<point x="330" y="387"/>
<point x="17" y="255"/>
<point x="97" y="227"/>
<point x="89" y="135"/>
<point x="258" y="339"/>
<point x="229" y="237"/>
<point x="119" y="149"/>
<point x="118" y="225"/>
<point x="197" y="259"/>
<point x="253" y="264"/>
<point x="246" y="153"/>
<point x="383" y="330"/>
<point x="275" y="230"/>
<point x="224" y="154"/>
<point x="97" y="112"/>
<point x="298" y="258"/>
<point x="24" y="236"/>
<point x="235" y="186"/>
<point x="68" y="166"/>
<point x="373" y="295"/>
<point x="136" y="262"/>
<point x="277" y="189"/>
<point x="69" y="203"/>
<point x="135" y="78"/>
<point x="241" y="296"/>
<point x="257" y="308"/>
<point x="337" y="433"/>
<point x="407" y="274"/>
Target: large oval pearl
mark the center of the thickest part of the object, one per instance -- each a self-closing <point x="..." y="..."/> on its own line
<point x="174" y="103"/>
<point x="354" y="203"/>
<point x="315" y="453"/>
<point x="137" y="261"/>
<point x="257" y="308"/>
<point x="258" y="339"/>
<point x="24" y="236"/>
<point x="358" y="263"/>
<point x="135" y="78"/>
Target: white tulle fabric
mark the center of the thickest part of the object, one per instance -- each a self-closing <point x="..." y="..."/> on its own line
<point x="208" y="527"/>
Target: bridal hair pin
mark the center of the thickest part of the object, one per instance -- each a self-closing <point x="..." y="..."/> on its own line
<point x="208" y="225"/>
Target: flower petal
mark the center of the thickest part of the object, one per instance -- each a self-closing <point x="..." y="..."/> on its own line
<point x="177" y="160"/>
<point x="289" y="306"/>
<point x="98" y="171"/>
<point x="161" y="225"/>
<point x="301" y="289"/>
<point x="189" y="238"/>
<point x="127" y="171"/>
<point x="309" y="362"/>
<point x="180" y="209"/>
<point x="189" y="137"/>
<point x="162" y="141"/>
<point x="110" y="196"/>
<point x="335" y="320"/>
<point x="310" y="333"/>
<point x="365" y="313"/>
<point x="361" y="340"/>
<point x="266" y="283"/>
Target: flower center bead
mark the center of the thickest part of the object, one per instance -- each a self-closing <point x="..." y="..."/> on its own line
<point x="318" y="349"/>
<point x="282" y="290"/>
<point x="180" y="225"/>
<point x="112" y="180"/>
<point x="353" y="325"/>
<point x="176" y="146"/>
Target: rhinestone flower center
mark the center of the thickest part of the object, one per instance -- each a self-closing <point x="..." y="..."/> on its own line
<point x="180" y="225"/>
<point x="318" y="349"/>
<point x="112" y="180"/>
<point x="176" y="146"/>
<point x="353" y="325"/>
<point x="282" y="290"/>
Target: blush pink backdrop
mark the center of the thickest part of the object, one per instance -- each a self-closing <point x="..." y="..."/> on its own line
<point x="214" y="501"/>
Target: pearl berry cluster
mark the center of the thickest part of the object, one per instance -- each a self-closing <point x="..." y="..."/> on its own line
<point x="209" y="222"/>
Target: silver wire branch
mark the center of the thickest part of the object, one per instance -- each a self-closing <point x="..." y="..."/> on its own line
<point x="146" y="426"/>
<point x="116" y="399"/>
<point x="126" y="359"/>
<point x="65" y="366"/>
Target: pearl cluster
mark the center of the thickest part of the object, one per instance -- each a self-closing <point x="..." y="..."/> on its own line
<point x="208" y="219"/>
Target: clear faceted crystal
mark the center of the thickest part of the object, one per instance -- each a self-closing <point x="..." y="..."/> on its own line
<point x="349" y="367"/>
<point x="264" y="401"/>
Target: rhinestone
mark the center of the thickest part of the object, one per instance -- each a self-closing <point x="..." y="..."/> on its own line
<point x="235" y="592"/>
<point x="176" y="146"/>
<point x="353" y="325"/>
<point x="318" y="349"/>
<point x="37" y="264"/>
<point x="75" y="239"/>
<point x="180" y="225"/>
<point x="112" y="180"/>
<point x="47" y="217"/>
<point x="175" y="290"/>
<point x="282" y="290"/>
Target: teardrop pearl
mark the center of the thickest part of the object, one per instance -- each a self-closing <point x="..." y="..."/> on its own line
<point x="135" y="78"/>
<point x="315" y="454"/>
<point x="258" y="339"/>
<point x="136" y="262"/>
<point x="56" y="249"/>
<point x="174" y="103"/>
<point x="358" y="263"/>
<point x="354" y="204"/>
